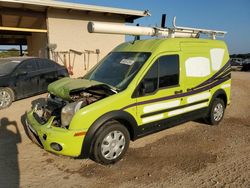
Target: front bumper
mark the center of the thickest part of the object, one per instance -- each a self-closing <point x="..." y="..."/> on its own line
<point x="46" y="135"/>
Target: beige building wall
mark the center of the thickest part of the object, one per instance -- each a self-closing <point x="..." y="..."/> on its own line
<point x="68" y="30"/>
<point x="37" y="45"/>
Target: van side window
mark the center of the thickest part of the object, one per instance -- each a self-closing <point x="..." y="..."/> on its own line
<point x="151" y="78"/>
<point x="163" y="73"/>
<point x="168" y="70"/>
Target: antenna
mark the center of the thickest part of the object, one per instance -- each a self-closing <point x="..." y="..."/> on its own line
<point x="163" y="21"/>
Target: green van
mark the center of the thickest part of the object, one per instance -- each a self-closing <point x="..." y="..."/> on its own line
<point x="137" y="89"/>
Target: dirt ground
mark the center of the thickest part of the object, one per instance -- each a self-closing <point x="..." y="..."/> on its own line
<point x="189" y="155"/>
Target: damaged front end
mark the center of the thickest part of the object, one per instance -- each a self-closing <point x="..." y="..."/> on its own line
<point x="63" y="110"/>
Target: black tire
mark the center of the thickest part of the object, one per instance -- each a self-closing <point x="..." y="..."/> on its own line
<point x="214" y="118"/>
<point x="6" y="97"/>
<point x="119" y="147"/>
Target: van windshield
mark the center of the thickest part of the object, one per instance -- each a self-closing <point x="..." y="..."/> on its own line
<point x="118" y="69"/>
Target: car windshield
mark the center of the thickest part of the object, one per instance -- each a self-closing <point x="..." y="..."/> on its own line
<point x="118" y="69"/>
<point x="7" y="66"/>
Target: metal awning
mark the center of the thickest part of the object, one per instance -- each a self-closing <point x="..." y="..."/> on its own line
<point x="21" y="18"/>
<point x="42" y="5"/>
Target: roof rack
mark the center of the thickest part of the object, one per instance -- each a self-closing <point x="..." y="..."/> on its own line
<point x="174" y="32"/>
<point x="198" y="31"/>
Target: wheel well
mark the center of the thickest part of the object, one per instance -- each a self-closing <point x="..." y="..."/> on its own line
<point x="223" y="97"/>
<point x="122" y="117"/>
<point x="123" y="122"/>
<point x="129" y="127"/>
<point x="221" y="94"/>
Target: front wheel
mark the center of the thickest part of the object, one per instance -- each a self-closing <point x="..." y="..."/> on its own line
<point x="6" y="97"/>
<point x="110" y="143"/>
<point x="216" y="113"/>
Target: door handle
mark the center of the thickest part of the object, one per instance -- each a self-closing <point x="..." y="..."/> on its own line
<point x="178" y="92"/>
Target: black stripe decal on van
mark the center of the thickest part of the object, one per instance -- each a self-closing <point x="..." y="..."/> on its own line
<point x="225" y="68"/>
<point x="171" y="109"/>
<point x="191" y="92"/>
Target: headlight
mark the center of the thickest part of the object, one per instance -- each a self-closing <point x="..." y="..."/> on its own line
<point x="68" y="112"/>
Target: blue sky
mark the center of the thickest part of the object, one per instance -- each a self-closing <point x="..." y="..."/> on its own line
<point x="232" y="16"/>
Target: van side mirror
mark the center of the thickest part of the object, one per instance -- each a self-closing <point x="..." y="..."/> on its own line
<point x="147" y="86"/>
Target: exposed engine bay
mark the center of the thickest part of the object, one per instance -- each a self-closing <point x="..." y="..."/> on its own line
<point x="79" y="98"/>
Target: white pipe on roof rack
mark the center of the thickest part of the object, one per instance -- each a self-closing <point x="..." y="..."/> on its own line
<point x="110" y="28"/>
<point x="176" y="31"/>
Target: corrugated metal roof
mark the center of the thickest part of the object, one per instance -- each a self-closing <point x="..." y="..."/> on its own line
<point x="80" y="7"/>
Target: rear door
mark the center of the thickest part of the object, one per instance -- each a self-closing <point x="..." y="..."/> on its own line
<point x="48" y="73"/>
<point x="27" y="78"/>
<point x="160" y="91"/>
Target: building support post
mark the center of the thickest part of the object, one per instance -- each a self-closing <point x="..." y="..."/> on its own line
<point x="21" y="50"/>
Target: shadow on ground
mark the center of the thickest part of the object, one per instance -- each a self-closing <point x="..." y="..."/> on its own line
<point x="9" y="168"/>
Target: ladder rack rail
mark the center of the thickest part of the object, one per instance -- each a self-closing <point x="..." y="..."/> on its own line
<point x="212" y="33"/>
<point x="175" y="31"/>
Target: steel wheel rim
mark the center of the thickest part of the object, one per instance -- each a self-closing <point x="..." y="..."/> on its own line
<point x="5" y="98"/>
<point x="112" y="145"/>
<point x="218" y="112"/>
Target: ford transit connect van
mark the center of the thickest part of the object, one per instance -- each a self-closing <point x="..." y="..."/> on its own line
<point x="139" y="88"/>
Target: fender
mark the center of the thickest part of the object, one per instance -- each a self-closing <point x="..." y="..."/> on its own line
<point x="124" y="117"/>
<point x="220" y="93"/>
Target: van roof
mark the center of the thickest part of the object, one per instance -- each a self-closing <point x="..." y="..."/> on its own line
<point x="158" y="45"/>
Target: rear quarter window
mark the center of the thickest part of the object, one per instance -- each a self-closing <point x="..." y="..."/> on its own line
<point x="46" y="64"/>
<point x="28" y="65"/>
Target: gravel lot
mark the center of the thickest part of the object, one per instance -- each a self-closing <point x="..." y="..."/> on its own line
<point x="189" y="155"/>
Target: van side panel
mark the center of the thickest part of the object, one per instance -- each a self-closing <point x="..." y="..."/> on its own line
<point x="206" y="66"/>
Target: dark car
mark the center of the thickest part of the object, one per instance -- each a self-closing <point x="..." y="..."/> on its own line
<point x="246" y="67"/>
<point x="22" y="77"/>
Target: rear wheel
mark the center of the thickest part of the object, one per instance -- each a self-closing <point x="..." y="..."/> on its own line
<point x="216" y="113"/>
<point x="110" y="143"/>
<point x="6" y="97"/>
